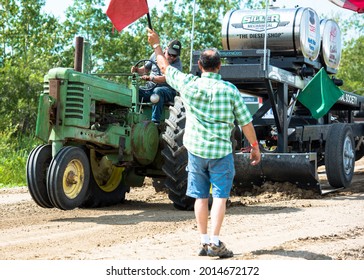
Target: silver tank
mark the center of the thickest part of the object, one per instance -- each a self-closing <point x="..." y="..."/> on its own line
<point x="330" y="43"/>
<point x="290" y="32"/>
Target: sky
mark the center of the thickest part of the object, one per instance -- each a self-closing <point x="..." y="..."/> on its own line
<point x="322" y="7"/>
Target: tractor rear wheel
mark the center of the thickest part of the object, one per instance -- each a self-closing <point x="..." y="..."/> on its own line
<point x="176" y="158"/>
<point x="36" y="171"/>
<point x="107" y="186"/>
<point x="159" y="184"/>
<point x="68" y="178"/>
<point x="340" y="155"/>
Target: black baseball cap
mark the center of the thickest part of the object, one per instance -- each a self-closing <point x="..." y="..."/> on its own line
<point x="174" y="47"/>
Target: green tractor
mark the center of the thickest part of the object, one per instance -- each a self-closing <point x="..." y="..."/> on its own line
<point x="99" y="141"/>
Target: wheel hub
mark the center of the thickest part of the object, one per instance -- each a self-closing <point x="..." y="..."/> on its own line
<point x="348" y="156"/>
<point x="73" y="179"/>
<point x="106" y="175"/>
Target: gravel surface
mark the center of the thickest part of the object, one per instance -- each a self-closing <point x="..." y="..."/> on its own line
<point x="277" y="221"/>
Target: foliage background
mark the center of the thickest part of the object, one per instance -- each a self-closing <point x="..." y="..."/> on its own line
<point x="32" y="42"/>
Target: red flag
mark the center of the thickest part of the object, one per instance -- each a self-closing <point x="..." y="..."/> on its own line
<point x="124" y="12"/>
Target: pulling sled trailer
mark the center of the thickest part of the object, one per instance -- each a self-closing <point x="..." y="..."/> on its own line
<point x="306" y="120"/>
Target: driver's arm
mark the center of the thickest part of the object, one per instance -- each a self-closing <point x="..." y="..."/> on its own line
<point x="153" y="39"/>
<point x="141" y="71"/>
<point x="158" y="79"/>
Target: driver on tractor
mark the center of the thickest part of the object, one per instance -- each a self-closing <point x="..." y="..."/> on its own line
<point x="156" y="81"/>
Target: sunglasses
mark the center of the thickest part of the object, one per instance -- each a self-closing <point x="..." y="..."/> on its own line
<point x="172" y="55"/>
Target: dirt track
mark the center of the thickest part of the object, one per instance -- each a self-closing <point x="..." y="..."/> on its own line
<point x="271" y="225"/>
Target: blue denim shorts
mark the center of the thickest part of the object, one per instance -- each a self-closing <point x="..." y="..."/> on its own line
<point x="205" y="173"/>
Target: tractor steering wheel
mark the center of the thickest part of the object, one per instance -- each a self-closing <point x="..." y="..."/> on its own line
<point x="148" y="85"/>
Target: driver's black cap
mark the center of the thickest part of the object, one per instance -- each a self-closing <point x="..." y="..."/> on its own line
<point x="174" y="47"/>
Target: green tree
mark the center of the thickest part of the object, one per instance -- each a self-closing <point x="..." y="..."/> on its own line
<point x="175" y="21"/>
<point x="111" y="51"/>
<point x="352" y="60"/>
<point x="30" y="44"/>
<point x="116" y="52"/>
<point x="28" y="49"/>
<point x="352" y="65"/>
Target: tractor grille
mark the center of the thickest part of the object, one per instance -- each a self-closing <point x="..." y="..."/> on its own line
<point x="73" y="112"/>
<point x="77" y="105"/>
<point x="75" y="101"/>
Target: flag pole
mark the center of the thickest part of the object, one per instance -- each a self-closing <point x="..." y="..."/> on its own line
<point x="265" y="34"/>
<point x="192" y="32"/>
<point x="148" y="16"/>
<point x="149" y="21"/>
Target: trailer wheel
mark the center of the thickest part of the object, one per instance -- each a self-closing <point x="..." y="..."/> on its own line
<point x="68" y="178"/>
<point x="340" y="155"/>
<point x="106" y="185"/>
<point x="175" y="157"/>
<point x="36" y="171"/>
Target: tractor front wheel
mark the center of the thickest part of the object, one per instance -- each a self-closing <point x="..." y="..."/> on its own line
<point x="36" y="171"/>
<point x="68" y="178"/>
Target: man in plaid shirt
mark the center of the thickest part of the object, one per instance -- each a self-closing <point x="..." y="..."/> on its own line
<point x="212" y="105"/>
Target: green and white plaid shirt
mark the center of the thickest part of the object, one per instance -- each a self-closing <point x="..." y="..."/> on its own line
<point x="211" y="105"/>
